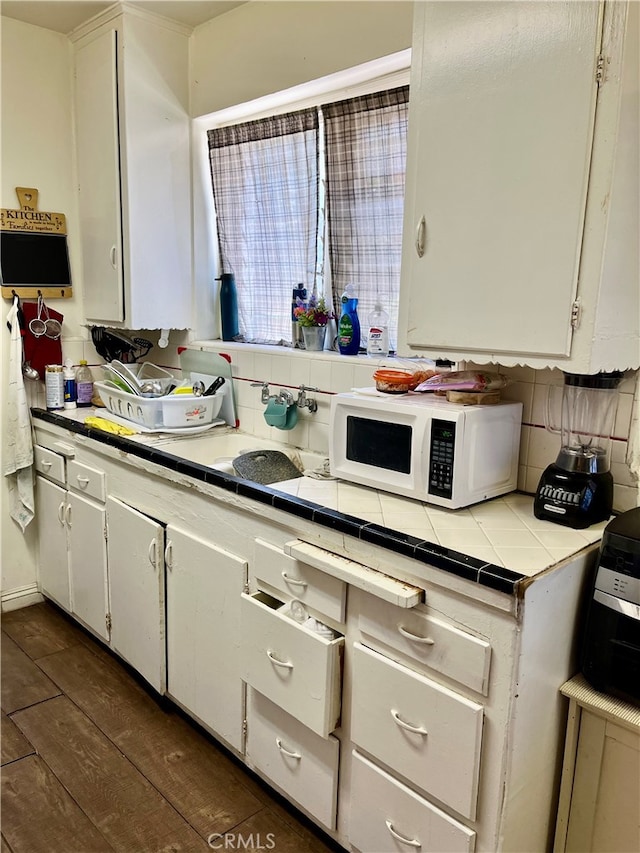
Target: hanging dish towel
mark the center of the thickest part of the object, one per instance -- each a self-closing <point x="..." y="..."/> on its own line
<point x="18" y="441"/>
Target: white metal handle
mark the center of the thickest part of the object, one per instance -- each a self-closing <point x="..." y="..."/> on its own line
<point x="67" y="515"/>
<point x="152" y="552"/>
<point x="418" y="730"/>
<point x="61" y="513"/>
<point x="114" y="257"/>
<point x="412" y="842"/>
<point x="294" y="581"/>
<point x="82" y="481"/>
<point x="46" y="464"/>
<point x="286" y="751"/>
<point x="168" y="555"/>
<point x="427" y="641"/>
<point x="274" y="660"/>
<point x="421" y="232"/>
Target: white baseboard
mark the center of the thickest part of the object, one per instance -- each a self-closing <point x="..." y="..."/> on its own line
<point x="23" y="596"/>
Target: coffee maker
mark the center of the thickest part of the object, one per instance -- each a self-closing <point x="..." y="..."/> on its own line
<point x="577" y="489"/>
<point x="611" y="647"/>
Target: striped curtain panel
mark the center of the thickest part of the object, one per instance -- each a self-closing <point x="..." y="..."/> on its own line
<point x="265" y="187"/>
<point x="366" y="148"/>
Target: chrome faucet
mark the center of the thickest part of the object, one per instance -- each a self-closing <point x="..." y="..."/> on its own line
<point x="283" y="396"/>
<point x="305" y="402"/>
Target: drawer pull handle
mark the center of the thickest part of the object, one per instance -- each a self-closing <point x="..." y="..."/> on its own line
<point x="61" y="513"/>
<point x="412" y="842"/>
<point x="294" y="581"/>
<point x="286" y="751"/>
<point x="152" y="552"/>
<point x="274" y="660"/>
<point x="83" y="481"/>
<point x="168" y="555"/>
<point x="414" y="637"/>
<point x="68" y="515"/>
<point x="418" y="730"/>
<point x="46" y="464"/>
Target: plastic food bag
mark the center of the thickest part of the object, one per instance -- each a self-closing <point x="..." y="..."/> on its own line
<point x="464" y="380"/>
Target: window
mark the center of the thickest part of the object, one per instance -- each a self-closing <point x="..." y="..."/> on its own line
<point x="313" y="196"/>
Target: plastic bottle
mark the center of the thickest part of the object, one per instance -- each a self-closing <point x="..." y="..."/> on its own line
<point x="349" y="324"/>
<point x="228" y="306"/>
<point x="84" y="384"/>
<point x="299" y="293"/>
<point x="378" y="332"/>
<point x="69" y="386"/>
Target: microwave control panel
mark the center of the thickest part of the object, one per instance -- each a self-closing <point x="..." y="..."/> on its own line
<point x="443" y="436"/>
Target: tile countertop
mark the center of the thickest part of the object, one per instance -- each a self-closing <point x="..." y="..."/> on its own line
<point x="497" y="543"/>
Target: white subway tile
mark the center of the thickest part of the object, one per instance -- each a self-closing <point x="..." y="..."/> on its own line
<point x="521" y="392"/>
<point x="320" y="373"/>
<point x="623" y="416"/>
<point x="543" y="447"/>
<point x="625" y="497"/>
<point x="341" y="376"/>
<point x="532" y="479"/>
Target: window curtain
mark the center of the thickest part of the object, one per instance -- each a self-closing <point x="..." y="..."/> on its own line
<point x="366" y="146"/>
<point x="265" y="187"/>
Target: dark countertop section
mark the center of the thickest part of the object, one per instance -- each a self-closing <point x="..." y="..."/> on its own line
<point x="470" y="568"/>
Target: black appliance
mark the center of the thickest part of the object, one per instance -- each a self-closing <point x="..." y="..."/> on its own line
<point x="114" y="344"/>
<point x="611" y="647"/>
<point x="577" y="489"/>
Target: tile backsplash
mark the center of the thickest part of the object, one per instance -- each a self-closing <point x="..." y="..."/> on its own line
<point x="331" y="373"/>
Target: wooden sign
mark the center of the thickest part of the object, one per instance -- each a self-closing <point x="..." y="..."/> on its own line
<point x="33" y="267"/>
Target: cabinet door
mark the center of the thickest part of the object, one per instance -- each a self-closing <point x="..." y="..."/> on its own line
<point x="99" y="178"/>
<point x="88" y="562"/>
<point x="204" y="584"/>
<point x="52" y="542"/>
<point x="501" y="124"/>
<point x="135" y="548"/>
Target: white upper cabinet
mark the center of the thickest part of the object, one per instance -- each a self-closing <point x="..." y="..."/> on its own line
<point x="520" y="237"/>
<point x="133" y="153"/>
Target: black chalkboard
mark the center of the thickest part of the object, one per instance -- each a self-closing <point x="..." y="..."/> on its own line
<point x="35" y="260"/>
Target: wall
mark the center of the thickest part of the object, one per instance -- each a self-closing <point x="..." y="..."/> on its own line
<point x="265" y="47"/>
<point x="37" y="151"/>
<point x="332" y="373"/>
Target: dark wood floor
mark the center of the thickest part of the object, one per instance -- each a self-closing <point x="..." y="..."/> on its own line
<point x="91" y="762"/>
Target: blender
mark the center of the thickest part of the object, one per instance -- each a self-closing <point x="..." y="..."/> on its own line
<point x="577" y="489"/>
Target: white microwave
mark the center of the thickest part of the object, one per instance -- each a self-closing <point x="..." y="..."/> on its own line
<point x="423" y="447"/>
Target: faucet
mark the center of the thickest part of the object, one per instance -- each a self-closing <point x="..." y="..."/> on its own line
<point x="283" y="396"/>
<point x="306" y="402"/>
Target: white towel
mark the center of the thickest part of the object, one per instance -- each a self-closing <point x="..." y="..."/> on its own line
<point x="18" y="450"/>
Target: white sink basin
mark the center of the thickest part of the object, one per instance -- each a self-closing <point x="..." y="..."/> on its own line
<point x="219" y="451"/>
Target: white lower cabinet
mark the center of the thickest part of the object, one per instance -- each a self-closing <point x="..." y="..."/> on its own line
<point x="71" y="534"/>
<point x="136" y="588"/>
<point x="387" y="816"/>
<point x="51" y="505"/>
<point x="298" y="669"/>
<point x="204" y="584"/>
<point x="86" y="522"/>
<point x="301" y="764"/>
<point x="417" y="727"/>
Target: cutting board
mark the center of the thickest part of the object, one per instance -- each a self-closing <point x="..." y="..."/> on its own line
<point x="206" y="366"/>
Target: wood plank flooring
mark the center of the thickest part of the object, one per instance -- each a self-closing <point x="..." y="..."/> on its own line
<point x="92" y="762"/>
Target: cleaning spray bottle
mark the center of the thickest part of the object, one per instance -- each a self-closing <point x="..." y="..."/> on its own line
<point x="349" y="324"/>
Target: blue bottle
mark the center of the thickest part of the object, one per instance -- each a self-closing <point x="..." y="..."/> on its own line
<point x="349" y="324"/>
<point x="228" y="306"/>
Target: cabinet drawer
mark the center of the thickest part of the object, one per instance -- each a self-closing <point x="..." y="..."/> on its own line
<point x="50" y="464"/>
<point x="299" y="762"/>
<point x="386" y="815"/>
<point x="298" y="580"/>
<point x="429" y="641"/>
<point x="429" y="734"/>
<point x="87" y="480"/>
<point x="296" y="668"/>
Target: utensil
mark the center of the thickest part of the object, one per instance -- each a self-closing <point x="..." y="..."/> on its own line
<point x="198" y="388"/>
<point x="215" y="385"/>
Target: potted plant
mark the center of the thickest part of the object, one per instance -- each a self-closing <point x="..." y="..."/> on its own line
<point x="313" y="318"/>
